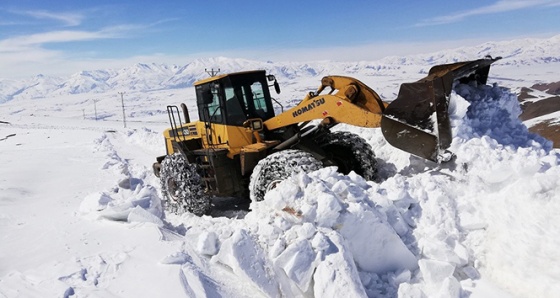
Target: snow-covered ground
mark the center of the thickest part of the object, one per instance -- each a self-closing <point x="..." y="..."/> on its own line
<point x="80" y="212"/>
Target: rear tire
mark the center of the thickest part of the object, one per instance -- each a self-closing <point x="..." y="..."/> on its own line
<point x="181" y="187"/>
<point x="277" y="167"/>
<point x="349" y="152"/>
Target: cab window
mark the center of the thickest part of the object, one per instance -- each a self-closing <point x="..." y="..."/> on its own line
<point x="259" y="101"/>
<point x="208" y="102"/>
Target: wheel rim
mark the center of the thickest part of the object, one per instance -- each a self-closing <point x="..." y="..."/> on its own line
<point x="172" y="189"/>
<point x="272" y="185"/>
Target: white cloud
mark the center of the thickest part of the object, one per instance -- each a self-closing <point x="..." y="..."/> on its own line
<point x="27" y="55"/>
<point x="36" y="40"/>
<point x="68" y="18"/>
<point x="498" y="7"/>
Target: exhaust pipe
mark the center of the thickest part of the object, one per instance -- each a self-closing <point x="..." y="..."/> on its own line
<point x="185" y="113"/>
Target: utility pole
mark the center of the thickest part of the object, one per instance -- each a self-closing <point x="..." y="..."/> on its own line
<point x="212" y="72"/>
<point x="84" y="113"/>
<point x="123" y="113"/>
<point x="95" y="107"/>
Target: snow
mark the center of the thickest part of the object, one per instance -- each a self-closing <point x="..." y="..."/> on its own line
<point x="81" y="215"/>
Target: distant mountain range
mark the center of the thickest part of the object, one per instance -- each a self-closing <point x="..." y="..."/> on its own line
<point x="152" y="76"/>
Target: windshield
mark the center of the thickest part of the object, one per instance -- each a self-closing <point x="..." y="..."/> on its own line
<point x="253" y="95"/>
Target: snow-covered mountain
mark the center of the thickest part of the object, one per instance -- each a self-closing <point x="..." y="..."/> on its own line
<point x="526" y="51"/>
<point x="145" y="77"/>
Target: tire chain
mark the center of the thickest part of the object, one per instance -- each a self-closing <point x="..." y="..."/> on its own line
<point x="279" y="166"/>
<point x="189" y="187"/>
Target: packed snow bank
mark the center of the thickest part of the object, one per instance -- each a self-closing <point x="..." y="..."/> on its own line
<point x="130" y="199"/>
<point x="427" y="231"/>
<point x="511" y="185"/>
<point x="139" y="205"/>
<point x="489" y="214"/>
<point x="325" y="221"/>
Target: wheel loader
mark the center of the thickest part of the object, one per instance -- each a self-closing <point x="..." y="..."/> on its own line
<point x="240" y="147"/>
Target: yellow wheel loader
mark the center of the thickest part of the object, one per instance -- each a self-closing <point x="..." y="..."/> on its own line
<point x="241" y="148"/>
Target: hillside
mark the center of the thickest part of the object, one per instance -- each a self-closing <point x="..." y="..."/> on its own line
<point x="540" y="107"/>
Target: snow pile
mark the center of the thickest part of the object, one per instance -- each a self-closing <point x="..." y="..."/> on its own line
<point x="494" y="112"/>
<point x="321" y="231"/>
<point x="317" y="235"/>
<point x="511" y="192"/>
<point x="130" y="200"/>
<point x="484" y="215"/>
<point x="139" y="205"/>
<point x="426" y="231"/>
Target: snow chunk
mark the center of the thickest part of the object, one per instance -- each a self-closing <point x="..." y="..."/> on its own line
<point x="207" y="243"/>
<point x="337" y="275"/>
<point x="139" y="214"/>
<point x="139" y="205"/>
<point x="328" y="208"/>
<point x="436" y="272"/>
<point x="298" y="262"/>
<point x="374" y="244"/>
<point x="245" y="258"/>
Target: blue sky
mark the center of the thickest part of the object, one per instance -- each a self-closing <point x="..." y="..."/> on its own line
<point x="63" y="37"/>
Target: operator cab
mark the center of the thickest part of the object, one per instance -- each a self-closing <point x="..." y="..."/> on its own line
<point x="232" y="99"/>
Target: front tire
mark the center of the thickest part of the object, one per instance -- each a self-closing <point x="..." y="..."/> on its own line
<point x="181" y="187"/>
<point x="277" y="167"/>
<point x="349" y="152"/>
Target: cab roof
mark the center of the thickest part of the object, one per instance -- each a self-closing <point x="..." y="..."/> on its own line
<point x="218" y="77"/>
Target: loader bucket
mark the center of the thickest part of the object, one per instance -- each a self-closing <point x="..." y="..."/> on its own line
<point x="417" y="121"/>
